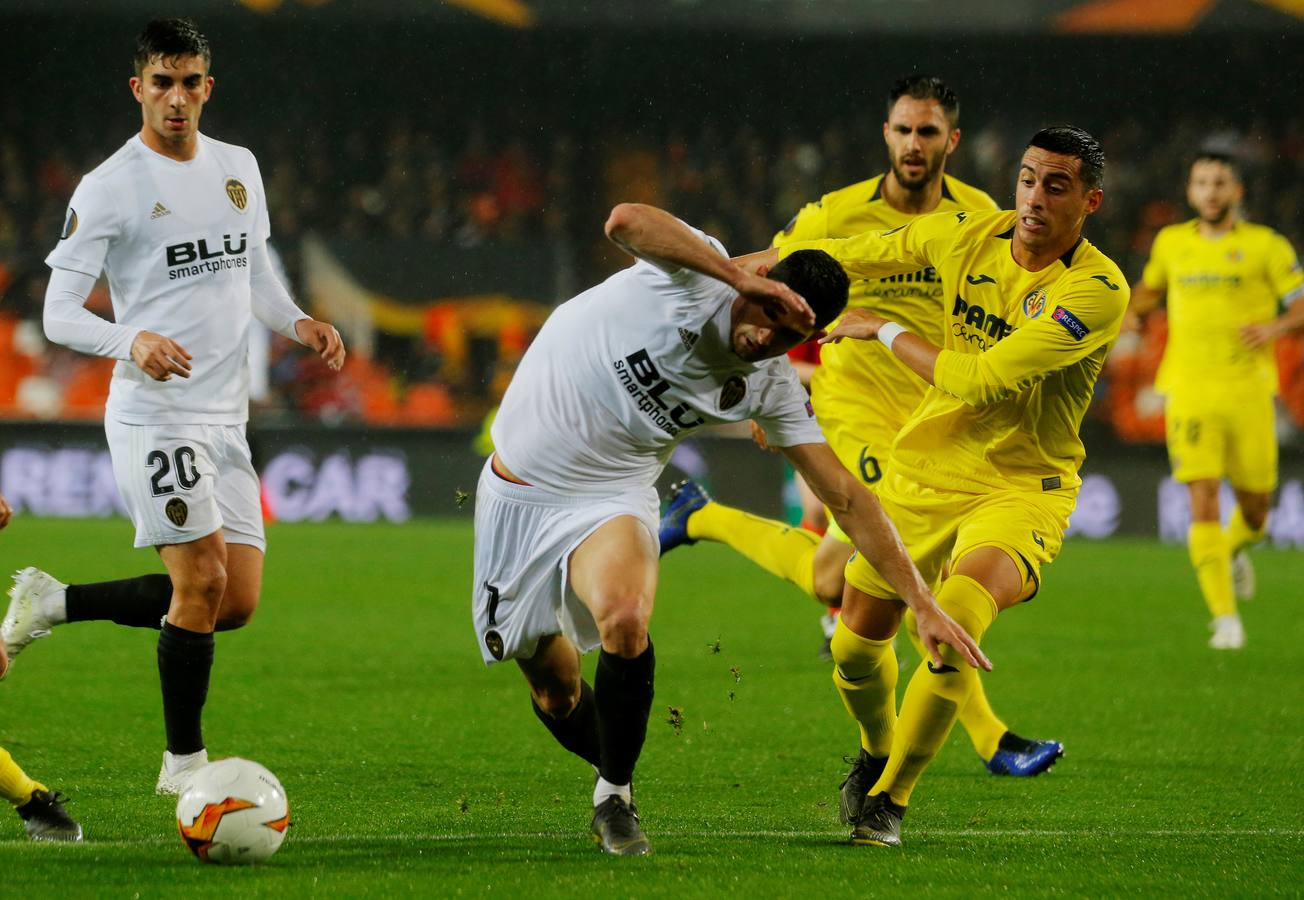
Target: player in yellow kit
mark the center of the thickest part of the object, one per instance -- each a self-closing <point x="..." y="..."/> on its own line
<point x="1224" y="280"/>
<point x="984" y="475"/>
<point x="41" y="809"/>
<point x="861" y="393"/>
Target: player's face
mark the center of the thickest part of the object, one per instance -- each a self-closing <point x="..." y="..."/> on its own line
<point x="762" y="330"/>
<point x="1051" y="199"/>
<point x="919" y="139"/>
<point x="172" y="92"/>
<point x="1213" y="190"/>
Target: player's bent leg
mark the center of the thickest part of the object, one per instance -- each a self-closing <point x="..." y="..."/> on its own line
<point x="778" y="548"/>
<point x="865" y="675"/>
<point x="39" y="602"/>
<point x="244" y="586"/>
<point x="1248" y="526"/>
<point x="561" y="699"/>
<point x="614" y="573"/>
<point x="185" y="652"/>
<point x="1211" y="558"/>
<point x="829" y="567"/>
<point x="977" y="717"/>
<point x="983" y="581"/>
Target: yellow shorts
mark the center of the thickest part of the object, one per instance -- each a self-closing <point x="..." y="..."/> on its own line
<point x="938" y="525"/>
<point x="1234" y="438"/>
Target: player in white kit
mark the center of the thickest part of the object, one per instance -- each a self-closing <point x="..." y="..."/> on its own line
<point x="178" y="223"/>
<point x="566" y="514"/>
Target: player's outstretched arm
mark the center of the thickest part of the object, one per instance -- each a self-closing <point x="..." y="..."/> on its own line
<point x="861" y="516"/>
<point x="657" y="237"/>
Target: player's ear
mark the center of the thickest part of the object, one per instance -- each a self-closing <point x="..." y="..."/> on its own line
<point x="1094" y="198"/>
<point x="135" y="85"/>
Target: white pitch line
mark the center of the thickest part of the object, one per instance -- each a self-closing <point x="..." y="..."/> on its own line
<point x="832" y="836"/>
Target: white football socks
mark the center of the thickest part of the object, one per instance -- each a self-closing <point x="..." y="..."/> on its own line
<point x="604" y="789"/>
<point x="182" y="762"/>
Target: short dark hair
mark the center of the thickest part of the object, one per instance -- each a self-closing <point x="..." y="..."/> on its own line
<point x="1070" y="140"/>
<point x="170" y="38"/>
<point x="926" y="87"/>
<point x="819" y="278"/>
<point x="1216" y="156"/>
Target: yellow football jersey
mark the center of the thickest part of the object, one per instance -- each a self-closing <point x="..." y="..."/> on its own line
<point x="1021" y="351"/>
<point x="859" y="381"/>
<point x="1215" y="286"/>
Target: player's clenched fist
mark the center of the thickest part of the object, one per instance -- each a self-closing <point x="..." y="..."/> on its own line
<point x="158" y="357"/>
<point x="323" y="338"/>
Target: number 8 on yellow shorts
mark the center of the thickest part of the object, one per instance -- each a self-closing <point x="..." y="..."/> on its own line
<point x="1232" y="437"/>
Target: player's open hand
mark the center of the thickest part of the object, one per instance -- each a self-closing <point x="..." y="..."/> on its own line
<point x="937" y="628"/>
<point x="6" y="511"/>
<point x="322" y="337"/>
<point x="158" y="357"/>
<point x="1256" y="336"/>
<point x="857" y="324"/>
<point x="783" y="300"/>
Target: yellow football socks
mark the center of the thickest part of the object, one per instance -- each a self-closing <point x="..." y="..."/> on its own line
<point x="977" y="717"/>
<point x="865" y="673"/>
<point x="1240" y="535"/>
<point x="1212" y="558"/>
<point x="933" y="699"/>
<point x="777" y="548"/>
<point x="15" y="786"/>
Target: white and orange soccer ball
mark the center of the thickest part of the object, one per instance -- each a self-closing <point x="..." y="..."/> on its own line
<point x="233" y="811"/>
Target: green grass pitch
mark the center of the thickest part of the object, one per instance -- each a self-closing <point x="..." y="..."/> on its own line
<point x="411" y="769"/>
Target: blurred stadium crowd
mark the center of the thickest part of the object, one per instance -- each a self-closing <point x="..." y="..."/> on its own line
<point x="510" y="180"/>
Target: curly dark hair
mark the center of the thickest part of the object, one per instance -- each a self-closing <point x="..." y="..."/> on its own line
<point x="170" y="38"/>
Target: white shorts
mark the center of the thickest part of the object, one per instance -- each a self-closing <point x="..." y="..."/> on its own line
<point x="184" y="482"/>
<point x="524" y="537"/>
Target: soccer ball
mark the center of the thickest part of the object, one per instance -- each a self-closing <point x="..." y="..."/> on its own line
<point x="233" y="811"/>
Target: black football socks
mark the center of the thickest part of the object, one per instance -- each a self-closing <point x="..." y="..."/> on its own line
<point x="136" y="602"/>
<point x="622" y="691"/>
<point x="578" y="732"/>
<point x="185" y="659"/>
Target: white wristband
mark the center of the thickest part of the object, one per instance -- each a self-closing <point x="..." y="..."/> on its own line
<point x="888" y="332"/>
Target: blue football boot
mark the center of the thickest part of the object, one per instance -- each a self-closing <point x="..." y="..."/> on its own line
<point x="686" y="498"/>
<point x="1023" y="758"/>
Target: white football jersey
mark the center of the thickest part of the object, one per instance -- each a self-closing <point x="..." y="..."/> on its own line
<point x="174" y="239"/>
<point x="621" y="373"/>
